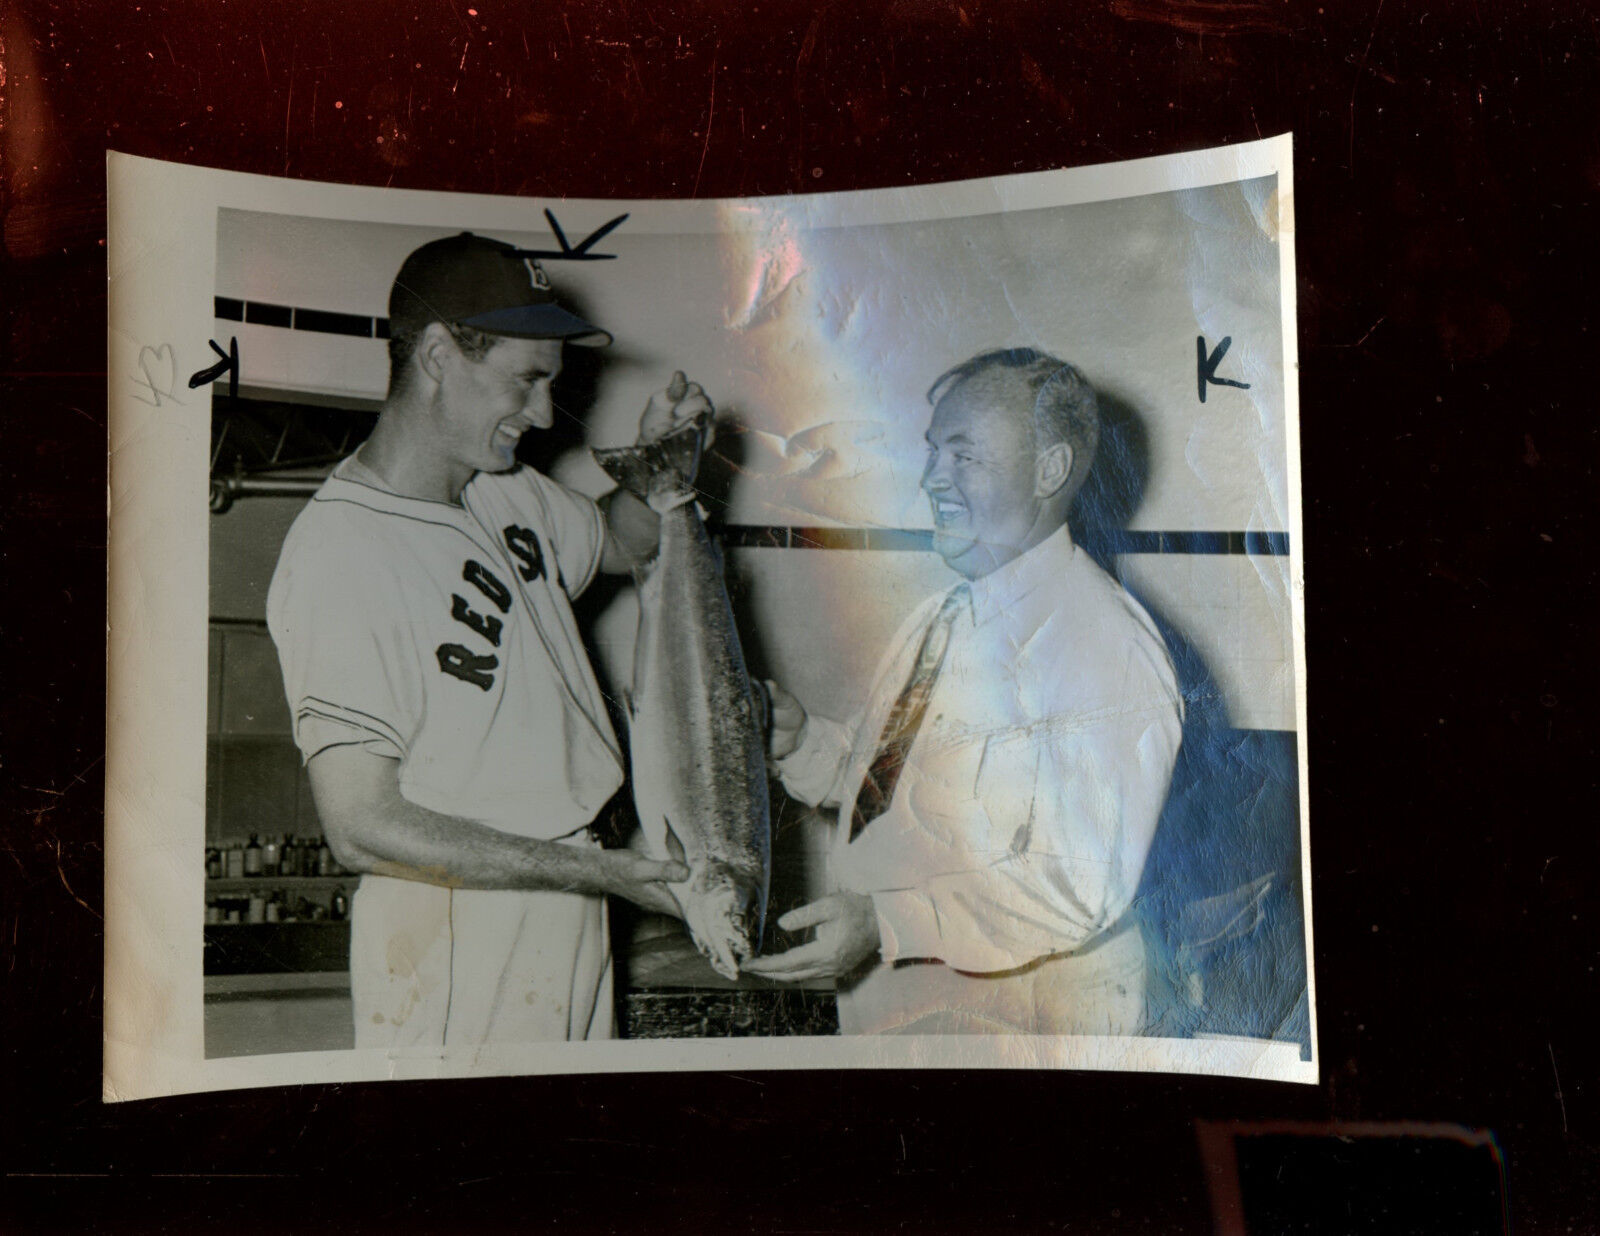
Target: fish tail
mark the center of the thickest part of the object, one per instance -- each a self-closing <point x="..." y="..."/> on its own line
<point x="660" y="473"/>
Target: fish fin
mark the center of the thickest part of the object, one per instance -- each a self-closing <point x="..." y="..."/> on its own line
<point x="761" y="701"/>
<point x="675" y="849"/>
<point x="659" y="473"/>
<point x="652" y="827"/>
<point x="643" y="576"/>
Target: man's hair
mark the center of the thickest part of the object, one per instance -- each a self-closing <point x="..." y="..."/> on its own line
<point x="474" y="345"/>
<point x="1064" y="405"/>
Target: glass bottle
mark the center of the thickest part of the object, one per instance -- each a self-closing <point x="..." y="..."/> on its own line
<point x="252" y="856"/>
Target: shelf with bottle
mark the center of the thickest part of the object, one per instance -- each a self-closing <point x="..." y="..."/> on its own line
<point x="281" y="856"/>
<point x="246" y="883"/>
<point x="316" y="900"/>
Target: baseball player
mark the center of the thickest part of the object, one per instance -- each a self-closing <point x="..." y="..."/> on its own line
<point x="456" y="740"/>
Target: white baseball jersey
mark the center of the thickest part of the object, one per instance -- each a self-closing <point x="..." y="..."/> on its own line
<point x="443" y="636"/>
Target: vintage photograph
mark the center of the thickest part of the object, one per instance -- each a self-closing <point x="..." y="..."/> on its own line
<point x="855" y="630"/>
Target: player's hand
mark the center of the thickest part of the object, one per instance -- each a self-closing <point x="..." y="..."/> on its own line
<point x="680" y="402"/>
<point x="787" y="723"/>
<point x="847" y="934"/>
<point x="644" y="881"/>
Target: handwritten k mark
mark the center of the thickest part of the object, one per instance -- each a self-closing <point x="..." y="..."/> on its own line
<point x="229" y="364"/>
<point x="1208" y="365"/>
<point x="569" y="252"/>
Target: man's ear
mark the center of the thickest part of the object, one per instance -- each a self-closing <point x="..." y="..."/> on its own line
<point x="435" y="349"/>
<point x="1052" y="470"/>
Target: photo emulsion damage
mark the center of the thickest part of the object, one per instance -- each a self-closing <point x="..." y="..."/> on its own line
<point x="854" y="630"/>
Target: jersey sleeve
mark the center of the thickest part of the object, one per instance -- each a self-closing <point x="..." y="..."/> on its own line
<point x="350" y="668"/>
<point x="576" y="529"/>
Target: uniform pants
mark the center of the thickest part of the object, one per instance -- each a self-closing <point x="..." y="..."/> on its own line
<point x="434" y="967"/>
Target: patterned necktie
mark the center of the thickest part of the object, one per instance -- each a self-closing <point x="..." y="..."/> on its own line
<point x="905" y="718"/>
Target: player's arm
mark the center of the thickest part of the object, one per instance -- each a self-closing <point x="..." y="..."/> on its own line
<point x="632" y="532"/>
<point x="632" y="528"/>
<point x="371" y="828"/>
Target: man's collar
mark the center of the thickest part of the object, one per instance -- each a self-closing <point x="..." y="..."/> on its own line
<point x="1002" y="588"/>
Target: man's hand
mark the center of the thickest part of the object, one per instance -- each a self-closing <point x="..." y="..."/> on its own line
<point x="788" y="722"/>
<point x="644" y="881"/>
<point x="681" y="401"/>
<point x="847" y="934"/>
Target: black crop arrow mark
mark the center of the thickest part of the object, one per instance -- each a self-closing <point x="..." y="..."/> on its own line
<point x="229" y="364"/>
<point x="570" y="253"/>
<point x="1208" y="365"/>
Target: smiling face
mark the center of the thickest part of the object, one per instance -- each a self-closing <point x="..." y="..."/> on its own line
<point x="982" y="476"/>
<point x="486" y="405"/>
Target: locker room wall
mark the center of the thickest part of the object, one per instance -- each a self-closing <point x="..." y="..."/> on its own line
<point x="822" y="342"/>
<point x="818" y="346"/>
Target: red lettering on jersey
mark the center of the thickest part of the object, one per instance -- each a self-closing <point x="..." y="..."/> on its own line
<point x="486" y="582"/>
<point x="466" y="665"/>
<point x="524" y="546"/>
<point x="487" y="626"/>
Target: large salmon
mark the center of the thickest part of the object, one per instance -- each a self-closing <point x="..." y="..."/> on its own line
<point x="699" y="772"/>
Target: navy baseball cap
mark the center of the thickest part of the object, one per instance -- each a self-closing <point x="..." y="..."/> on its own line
<point x="486" y="284"/>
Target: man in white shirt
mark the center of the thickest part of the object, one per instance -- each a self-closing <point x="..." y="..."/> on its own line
<point x="455" y="737"/>
<point x="1000" y="791"/>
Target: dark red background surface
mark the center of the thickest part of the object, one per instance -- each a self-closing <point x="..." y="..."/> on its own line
<point x="1447" y="162"/>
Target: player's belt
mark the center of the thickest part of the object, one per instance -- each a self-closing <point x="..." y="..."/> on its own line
<point x="1125" y="924"/>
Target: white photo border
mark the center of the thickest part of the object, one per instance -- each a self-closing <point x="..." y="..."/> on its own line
<point x="161" y="252"/>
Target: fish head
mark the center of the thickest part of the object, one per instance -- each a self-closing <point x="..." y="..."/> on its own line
<point x="725" y="911"/>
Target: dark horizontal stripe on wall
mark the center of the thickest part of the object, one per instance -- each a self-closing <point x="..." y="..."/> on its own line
<point x="333" y="323"/>
<point x="757" y="536"/>
<point x="289" y="317"/>
<point x="1266" y="544"/>
<point x="262" y="314"/>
